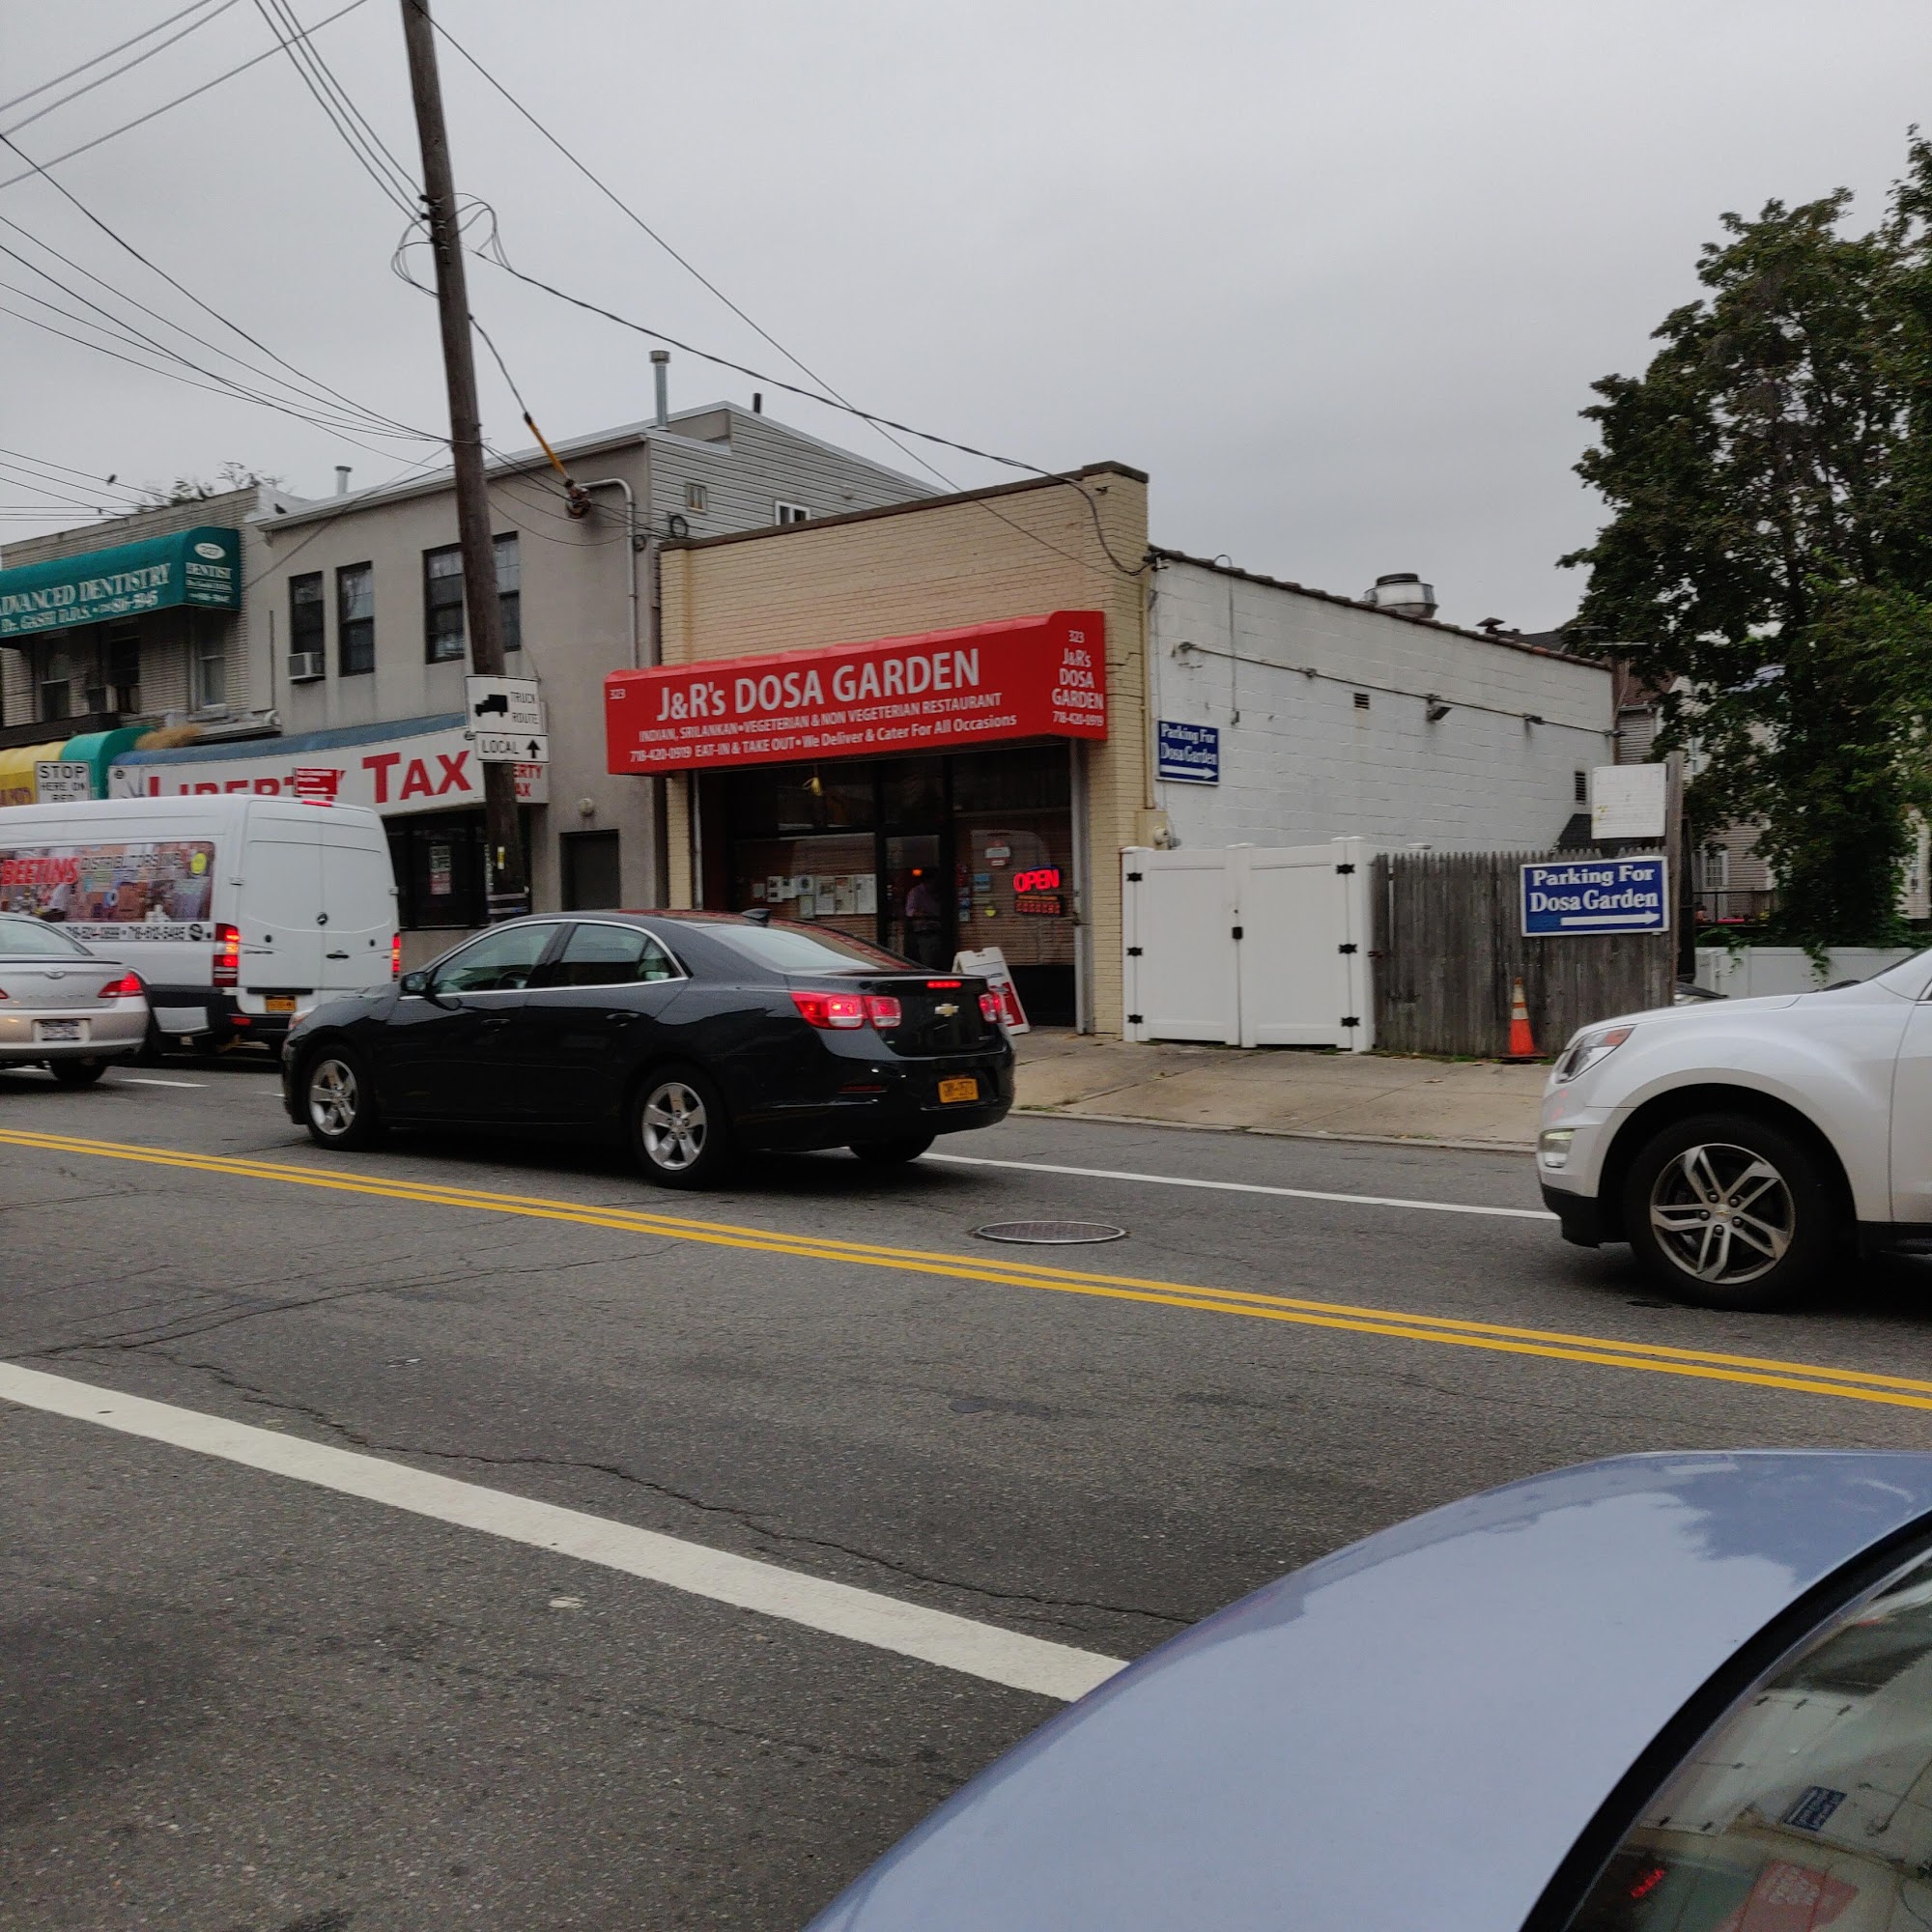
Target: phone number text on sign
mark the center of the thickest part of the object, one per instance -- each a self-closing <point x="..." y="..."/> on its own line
<point x="1026" y="677"/>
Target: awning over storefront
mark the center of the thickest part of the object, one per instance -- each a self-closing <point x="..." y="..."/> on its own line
<point x="98" y="750"/>
<point x="1024" y="678"/>
<point x="407" y="764"/>
<point x="201" y="567"/>
<point x="17" y="785"/>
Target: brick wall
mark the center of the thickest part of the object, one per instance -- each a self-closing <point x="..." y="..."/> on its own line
<point x="934" y="566"/>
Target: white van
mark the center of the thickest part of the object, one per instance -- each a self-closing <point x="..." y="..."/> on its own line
<point x="238" y="912"/>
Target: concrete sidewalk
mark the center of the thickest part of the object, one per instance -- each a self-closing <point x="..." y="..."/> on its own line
<point x="1281" y="1090"/>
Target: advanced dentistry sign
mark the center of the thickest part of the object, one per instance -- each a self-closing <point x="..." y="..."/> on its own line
<point x="200" y="567"/>
<point x="1576" y="897"/>
<point x="1028" y="677"/>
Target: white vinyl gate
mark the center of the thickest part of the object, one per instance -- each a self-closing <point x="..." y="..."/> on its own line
<point x="1249" y="944"/>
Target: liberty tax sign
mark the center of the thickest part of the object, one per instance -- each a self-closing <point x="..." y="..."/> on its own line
<point x="430" y="771"/>
<point x="1027" y="677"/>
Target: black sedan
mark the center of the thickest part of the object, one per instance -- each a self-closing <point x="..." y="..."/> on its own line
<point x="695" y="1035"/>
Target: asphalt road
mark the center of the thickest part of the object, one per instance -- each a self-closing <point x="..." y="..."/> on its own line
<point x="268" y="1695"/>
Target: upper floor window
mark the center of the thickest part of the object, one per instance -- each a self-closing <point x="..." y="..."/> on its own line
<point x="697" y="496"/>
<point x="355" y="618"/>
<point x="120" y="661"/>
<point x="443" y="604"/>
<point x="306" y="641"/>
<point x="443" y="631"/>
<point x="510" y="590"/>
<point x="790" y="513"/>
<point x="56" y="687"/>
<point x="208" y="665"/>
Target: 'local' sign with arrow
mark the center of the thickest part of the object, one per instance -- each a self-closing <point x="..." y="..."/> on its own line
<point x="511" y="748"/>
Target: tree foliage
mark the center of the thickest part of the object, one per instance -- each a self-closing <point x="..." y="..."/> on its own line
<point x="1768" y="560"/>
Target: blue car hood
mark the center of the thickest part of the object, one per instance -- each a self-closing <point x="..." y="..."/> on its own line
<point x="1411" y="1733"/>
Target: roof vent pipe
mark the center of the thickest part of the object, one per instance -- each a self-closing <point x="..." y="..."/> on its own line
<point x="1405" y="593"/>
<point x="342" y="479"/>
<point x="660" y="376"/>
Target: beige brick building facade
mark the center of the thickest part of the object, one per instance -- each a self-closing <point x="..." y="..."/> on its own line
<point x="1022" y="551"/>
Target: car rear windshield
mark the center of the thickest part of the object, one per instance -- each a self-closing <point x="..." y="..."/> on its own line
<point x="787" y="948"/>
<point x="35" y="939"/>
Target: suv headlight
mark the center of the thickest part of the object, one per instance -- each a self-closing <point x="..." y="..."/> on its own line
<point x="1588" y="1048"/>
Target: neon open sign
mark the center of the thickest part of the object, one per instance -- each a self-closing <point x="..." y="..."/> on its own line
<point x="1042" y="879"/>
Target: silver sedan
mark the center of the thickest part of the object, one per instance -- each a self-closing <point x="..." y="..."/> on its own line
<point x="63" y="1006"/>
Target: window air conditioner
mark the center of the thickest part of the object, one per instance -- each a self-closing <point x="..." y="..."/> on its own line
<point x="306" y="666"/>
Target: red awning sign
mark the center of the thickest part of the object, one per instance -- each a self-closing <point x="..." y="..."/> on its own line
<point x="1027" y="677"/>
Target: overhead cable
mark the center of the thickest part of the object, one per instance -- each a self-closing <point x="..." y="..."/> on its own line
<point x="95" y="60"/>
<point x="181" y="100"/>
<point x="101" y="80"/>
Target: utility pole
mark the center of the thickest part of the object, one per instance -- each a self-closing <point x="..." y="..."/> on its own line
<point x="509" y="891"/>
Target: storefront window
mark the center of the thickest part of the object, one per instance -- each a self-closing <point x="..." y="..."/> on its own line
<point x="922" y="855"/>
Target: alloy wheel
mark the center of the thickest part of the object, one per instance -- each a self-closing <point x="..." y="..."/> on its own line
<point x="1722" y="1213"/>
<point x="333" y="1097"/>
<point x="674" y="1127"/>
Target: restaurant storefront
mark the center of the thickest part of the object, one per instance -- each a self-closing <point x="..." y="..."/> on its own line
<point x="918" y="792"/>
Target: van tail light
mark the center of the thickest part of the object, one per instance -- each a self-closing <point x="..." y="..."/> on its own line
<point x="882" y="1010"/>
<point x="227" y="954"/>
<point x="829" y="1010"/>
<point x="126" y="988"/>
<point x="989" y="1008"/>
<point x="395" y="955"/>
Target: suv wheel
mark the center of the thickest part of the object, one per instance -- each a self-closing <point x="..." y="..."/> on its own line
<point x="338" y="1101"/>
<point x="1730" y="1211"/>
<point x="679" y="1129"/>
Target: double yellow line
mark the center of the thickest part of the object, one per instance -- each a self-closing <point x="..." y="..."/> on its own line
<point x="1447" y="1331"/>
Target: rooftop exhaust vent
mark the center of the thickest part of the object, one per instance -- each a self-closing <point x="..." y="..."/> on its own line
<point x="1405" y="593"/>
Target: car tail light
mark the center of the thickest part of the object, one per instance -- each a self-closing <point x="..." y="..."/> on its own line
<point x="989" y="1008"/>
<point x="882" y="1010"/>
<point x="395" y="955"/>
<point x="826" y="1010"/>
<point x="936" y="986"/>
<point x="227" y="954"/>
<point x="126" y="988"/>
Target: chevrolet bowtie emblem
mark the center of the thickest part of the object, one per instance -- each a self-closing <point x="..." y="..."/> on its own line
<point x="945" y="1010"/>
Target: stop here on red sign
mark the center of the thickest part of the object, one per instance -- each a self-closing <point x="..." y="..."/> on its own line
<point x="1026" y="677"/>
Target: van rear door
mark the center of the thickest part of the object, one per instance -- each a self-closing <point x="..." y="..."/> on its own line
<point x="359" y="893"/>
<point x="279" y="907"/>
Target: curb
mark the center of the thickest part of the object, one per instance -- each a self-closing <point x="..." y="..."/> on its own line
<point x="1525" y="1147"/>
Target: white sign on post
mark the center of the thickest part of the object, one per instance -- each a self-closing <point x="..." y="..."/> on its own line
<point x="499" y="705"/>
<point x="63" y="781"/>
<point x="990" y="965"/>
<point x="511" y="748"/>
<point x="1627" y="802"/>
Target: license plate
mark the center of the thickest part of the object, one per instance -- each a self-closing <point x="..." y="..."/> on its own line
<point x="50" y="1029"/>
<point x="950" y="1090"/>
<point x="278" y="1003"/>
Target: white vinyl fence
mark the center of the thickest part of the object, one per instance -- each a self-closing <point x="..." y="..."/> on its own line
<point x="1753" y="972"/>
<point x="1249" y="944"/>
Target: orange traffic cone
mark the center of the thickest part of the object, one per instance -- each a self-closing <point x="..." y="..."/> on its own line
<point x="1523" y="1042"/>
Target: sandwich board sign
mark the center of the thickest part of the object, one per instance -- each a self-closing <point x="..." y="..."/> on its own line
<point x="1572" y="898"/>
<point x="990" y="965"/>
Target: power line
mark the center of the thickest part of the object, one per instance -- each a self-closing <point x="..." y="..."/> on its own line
<point x="371" y="153"/>
<point x="181" y="100"/>
<point x="883" y="425"/>
<point x="46" y="463"/>
<point x="121" y="47"/>
<point x="101" y="80"/>
<point x="380" y="423"/>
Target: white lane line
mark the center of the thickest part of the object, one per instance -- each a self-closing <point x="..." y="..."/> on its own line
<point x="149" y="1080"/>
<point x="1246" y="1188"/>
<point x="884" y="1623"/>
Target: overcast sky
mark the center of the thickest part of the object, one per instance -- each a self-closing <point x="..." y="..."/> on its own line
<point x="1338" y="275"/>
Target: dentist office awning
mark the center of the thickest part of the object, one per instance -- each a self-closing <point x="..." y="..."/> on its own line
<point x="200" y="567"/>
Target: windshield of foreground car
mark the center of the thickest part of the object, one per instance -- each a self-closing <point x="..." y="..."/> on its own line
<point x="35" y="939"/>
<point x="788" y="948"/>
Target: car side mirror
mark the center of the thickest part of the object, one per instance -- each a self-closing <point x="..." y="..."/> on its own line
<point x="416" y="982"/>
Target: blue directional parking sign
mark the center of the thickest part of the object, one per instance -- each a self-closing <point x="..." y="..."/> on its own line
<point x="1566" y="897"/>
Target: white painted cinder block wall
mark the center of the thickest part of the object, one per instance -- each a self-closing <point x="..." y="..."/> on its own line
<point x="1302" y="762"/>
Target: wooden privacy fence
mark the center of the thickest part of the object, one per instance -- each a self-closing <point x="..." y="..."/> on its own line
<point x="1449" y="945"/>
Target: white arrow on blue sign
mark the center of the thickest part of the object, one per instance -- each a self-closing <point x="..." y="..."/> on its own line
<point x="1572" y="897"/>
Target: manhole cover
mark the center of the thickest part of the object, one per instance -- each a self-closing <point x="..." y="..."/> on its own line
<point x="1050" y="1234"/>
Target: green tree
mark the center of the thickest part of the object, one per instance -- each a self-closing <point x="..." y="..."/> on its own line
<point x="1768" y="561"/>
